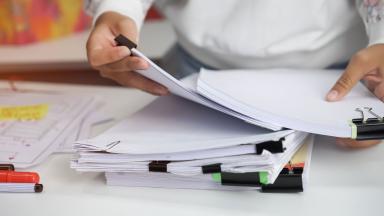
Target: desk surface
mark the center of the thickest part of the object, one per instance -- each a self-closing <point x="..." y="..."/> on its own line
<point x="342" y="182"/>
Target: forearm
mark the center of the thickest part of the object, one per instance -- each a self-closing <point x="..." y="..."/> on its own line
<point x="134" y="9"/>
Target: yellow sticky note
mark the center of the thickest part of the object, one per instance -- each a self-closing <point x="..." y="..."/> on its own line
<point x="32" y="112"/>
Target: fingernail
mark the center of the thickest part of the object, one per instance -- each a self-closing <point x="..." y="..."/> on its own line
<point x="160" y="91"/>
<point x="332" y="95"/>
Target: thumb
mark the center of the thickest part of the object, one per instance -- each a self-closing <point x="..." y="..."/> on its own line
<point x="98" y="56"/>
<point x="353" y="73"/>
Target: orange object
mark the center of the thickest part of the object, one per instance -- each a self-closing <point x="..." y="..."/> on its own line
<point x="290" y="166"/>
<point x="19" y="177"/>
<point x="27" y="21"/>
<point x="153" y="14"/>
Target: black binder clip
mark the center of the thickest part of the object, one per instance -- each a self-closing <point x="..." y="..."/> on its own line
<point x="367" y="128"/>
<point x="289" y="180"/>
<point x="158" y="166"/>
<point x="212" y="168"/>
<point x="251" y="179"/>
<point x="271" y="146"/>
<point x="121" y="40"/>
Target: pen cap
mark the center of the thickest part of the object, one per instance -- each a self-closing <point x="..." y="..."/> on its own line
<point x="19" y="177"/>
<point x="7" y="167"/>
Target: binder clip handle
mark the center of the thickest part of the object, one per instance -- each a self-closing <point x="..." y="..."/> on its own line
<point x="365" y="128"/>
<point x="121" y="40"/>
<point x="369" y="109"/>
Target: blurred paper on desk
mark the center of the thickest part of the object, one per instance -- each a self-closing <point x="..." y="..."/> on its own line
<point x="27" y="142"/>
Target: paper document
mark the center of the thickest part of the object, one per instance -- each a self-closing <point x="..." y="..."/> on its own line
<point x="188" y="136"/>
<point x="169" y="121"/>
<point x="25" y="142"/>
<point x="293" y="98"/>
<point x="207" y="181"/>
<point x="280" y="98"/>
<point x="186" y="90"/>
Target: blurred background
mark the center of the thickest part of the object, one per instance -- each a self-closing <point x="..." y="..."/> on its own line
<point x="44" y="40"/>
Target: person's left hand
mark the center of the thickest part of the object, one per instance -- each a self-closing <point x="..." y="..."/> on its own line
<point x="366" y="65"/>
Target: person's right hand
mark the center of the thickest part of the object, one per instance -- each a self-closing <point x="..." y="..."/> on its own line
<point x="116" y="62"/>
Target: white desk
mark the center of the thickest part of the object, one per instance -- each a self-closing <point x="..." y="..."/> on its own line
<point x="341" y="182"/>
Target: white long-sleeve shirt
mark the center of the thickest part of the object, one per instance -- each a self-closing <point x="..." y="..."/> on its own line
<point x="264" y="33"/>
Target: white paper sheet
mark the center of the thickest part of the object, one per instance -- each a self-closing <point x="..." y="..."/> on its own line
<point x="26" y="143"/>
<point x="268" y="162"/>
<point x="166" y="180"/>
<point x="173" y="124"/>
<point x="292" y="98"/>
<point x="276" y="98"/>
<point x="173" y="181"/>
<point x="187" y="90"/>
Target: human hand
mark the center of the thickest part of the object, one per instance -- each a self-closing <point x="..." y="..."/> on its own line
<point x="115" y="62"/>
<point x="366" y="65"/>
<point x="351" y="143"/>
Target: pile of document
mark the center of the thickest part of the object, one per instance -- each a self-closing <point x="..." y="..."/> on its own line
<point x="280" y="98"/>
<point x="292" y="178"/>
<point x="176" y="143"/>
<point x="35" y="124"/>
<point x="228" y="130"/>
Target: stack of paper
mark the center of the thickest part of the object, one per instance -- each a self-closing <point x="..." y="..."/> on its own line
<point x="296" y="169"/>
<point x="280" y="98"/>
<point x="186" y="141"/>
<point x="181" y="141"/>
<point x="33" y="125"/>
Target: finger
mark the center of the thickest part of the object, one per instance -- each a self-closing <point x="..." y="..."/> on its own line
<point x="104" y="55"/>
<point x="373" y="78"/>
<point x="143" y="83"/>
<point x="379" y="91"/>
<point x="375" y="84"/>
<point x="370" y="84"/>
<point x="372" y="81"/>
<point x="374" y="72"/>
<point x="126" y="64"/>
<point x="350" y="143"/>
<point x="136" y="80"/>
<point x="353" y="73"/>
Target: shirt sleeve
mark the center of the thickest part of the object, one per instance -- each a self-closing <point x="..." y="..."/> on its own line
<point x="372" y="13"/>
<point x="135" y="9"/>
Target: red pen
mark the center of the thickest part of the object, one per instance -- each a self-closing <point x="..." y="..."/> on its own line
<point x="18" y="177"/>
